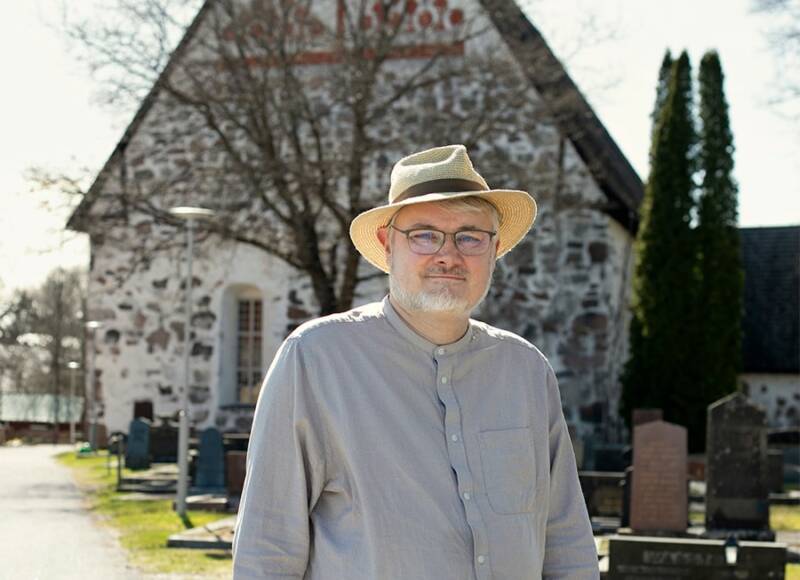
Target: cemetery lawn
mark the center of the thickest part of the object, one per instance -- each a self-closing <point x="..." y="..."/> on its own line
<point x="784" y="517"/>
<point x="143" y="526"/>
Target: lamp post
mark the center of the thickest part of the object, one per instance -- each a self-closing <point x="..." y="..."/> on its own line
<point x="73" y="367"/>
<point x="92" y="327"/>
<point x="190" y="215"/>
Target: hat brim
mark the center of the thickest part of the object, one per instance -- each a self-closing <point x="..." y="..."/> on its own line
<point x="517" y="211"/>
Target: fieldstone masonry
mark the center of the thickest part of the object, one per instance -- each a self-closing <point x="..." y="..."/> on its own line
<point x="564" y="287"/>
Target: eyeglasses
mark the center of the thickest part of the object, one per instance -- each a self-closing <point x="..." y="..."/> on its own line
<point x="429" y="241"/>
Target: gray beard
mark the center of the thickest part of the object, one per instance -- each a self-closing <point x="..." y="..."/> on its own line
<point x="441" y="300"/>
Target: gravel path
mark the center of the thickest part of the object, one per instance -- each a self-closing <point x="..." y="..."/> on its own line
<point x="45" y="532"/>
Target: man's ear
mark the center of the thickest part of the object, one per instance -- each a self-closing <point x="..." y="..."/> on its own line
<point x="383" y="238"/>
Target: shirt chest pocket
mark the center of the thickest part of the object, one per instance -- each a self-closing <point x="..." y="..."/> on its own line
<point x="509" y="469"/>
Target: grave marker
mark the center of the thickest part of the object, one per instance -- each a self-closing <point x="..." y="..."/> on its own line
<point x="137" y="451"/>
<point x="737" y="495"/>
<point x="659" y="493"/>
<point x="210" y="461"/>
<point x="649" y="558"/>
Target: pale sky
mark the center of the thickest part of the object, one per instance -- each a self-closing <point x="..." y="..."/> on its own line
<point x="48" y="117"/>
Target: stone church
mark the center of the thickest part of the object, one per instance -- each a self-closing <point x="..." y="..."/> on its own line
<point x="565" y="288"/>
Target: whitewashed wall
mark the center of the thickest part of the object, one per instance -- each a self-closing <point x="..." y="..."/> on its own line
<point x="564" y="288"/>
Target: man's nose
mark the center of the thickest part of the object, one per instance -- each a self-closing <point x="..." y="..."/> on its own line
<point x="449" y="249"/>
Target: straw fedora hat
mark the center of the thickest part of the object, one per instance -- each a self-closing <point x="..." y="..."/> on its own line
<point x="440" y="174"/>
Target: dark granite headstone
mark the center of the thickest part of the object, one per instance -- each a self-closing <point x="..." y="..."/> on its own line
<point x="626" y="484"/>
<point x="101" y="436"/>
<point x="642" y="416"/>
<point x="659" y="499"/>
<point x="602" y="493"/>
<point x="648" y="558"/>
<point x="737" y="495"/>
<point x="235" y="470"/>
<point x="210" y="472"/>
<point x="164" y="442"/>
<point x="775" y="470"/>
<point x="143" y="409"/>
<point x="137" y="449"/>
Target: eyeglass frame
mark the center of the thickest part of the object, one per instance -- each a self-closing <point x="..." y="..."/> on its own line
<point x="444" y="239"/>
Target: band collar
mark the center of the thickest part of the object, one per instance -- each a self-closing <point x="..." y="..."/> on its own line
<point x="404" y="329"/>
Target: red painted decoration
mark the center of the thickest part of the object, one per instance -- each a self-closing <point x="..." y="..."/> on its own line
<point x="425" y="19"/>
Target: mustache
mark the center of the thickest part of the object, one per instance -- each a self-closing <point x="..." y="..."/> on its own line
<point x="441" y="271"/>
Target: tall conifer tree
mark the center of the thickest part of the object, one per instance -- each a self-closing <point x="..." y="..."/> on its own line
<point x="719" y="254"/>
<point x="662" y="90"/>
<point x="662" y="369"/>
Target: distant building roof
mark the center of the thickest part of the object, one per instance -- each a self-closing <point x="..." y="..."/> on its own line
<point x="39" y="408"/>
<point x="771" y="261"/>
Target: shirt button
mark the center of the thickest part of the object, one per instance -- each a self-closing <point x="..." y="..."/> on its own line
<point x="481" y="559"/>
<point x="441" y="351"/>
<point x="467" y="495"/>
<point x="444" y="380"/>
<point x="454" y="437"/>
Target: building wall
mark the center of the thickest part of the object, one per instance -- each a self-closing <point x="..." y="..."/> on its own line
<point x="779" y="394"/>
<point x="564" y="287"/>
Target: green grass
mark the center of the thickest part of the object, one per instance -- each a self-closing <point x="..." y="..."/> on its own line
<point x="784" y="517"/>
<point x="143" y="526"/>
<point x="793" y="572"/>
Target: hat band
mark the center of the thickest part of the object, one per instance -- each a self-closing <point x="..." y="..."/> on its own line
<point x="439" y="186"/>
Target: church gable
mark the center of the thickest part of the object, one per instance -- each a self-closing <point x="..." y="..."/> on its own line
<point x="287" y="124"/>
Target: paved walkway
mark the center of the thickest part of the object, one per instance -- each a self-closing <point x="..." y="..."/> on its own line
<point x="45" y="533"/>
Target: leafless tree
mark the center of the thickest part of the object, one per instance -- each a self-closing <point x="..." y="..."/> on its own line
<point x="783" y="35"/>
<point x="292" y="110"/>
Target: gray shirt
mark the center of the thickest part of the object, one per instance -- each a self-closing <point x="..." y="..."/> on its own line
<point x="376" y="454"/>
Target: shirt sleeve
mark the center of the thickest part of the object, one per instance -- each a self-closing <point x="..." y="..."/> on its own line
<point x="285" y="474"/>
<point x="570" y="551"/>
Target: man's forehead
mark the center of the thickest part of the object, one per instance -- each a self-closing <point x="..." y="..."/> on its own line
<point x="432" y="213"/>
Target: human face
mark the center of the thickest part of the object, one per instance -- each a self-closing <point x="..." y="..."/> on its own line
<point x="447" y="281"/>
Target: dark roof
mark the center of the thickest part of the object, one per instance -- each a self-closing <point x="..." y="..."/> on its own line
<point x="571" y="112"/>
<point x="771" y="327"/>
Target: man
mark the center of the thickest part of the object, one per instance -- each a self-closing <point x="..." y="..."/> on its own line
<point x="403" y="440"/>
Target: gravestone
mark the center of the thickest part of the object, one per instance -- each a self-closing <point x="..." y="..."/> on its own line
<point x="737" y="495"/>
<point x="602" y="493"/>
<point x="649" y="558"/>
<point x="210" y="474"/>
<point x="164" y="442"/>
<point x="659" y="494"/>
<point x="626" y="484"/>
<point x="137" y="450"/>
<point x="101" y="436"/>
<point x="775" y="470"/>
<point x="235" y="471"/>
<point x="642" y="416"/>
<point x="143" y="409"/>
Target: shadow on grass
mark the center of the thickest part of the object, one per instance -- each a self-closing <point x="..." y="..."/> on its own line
<point x="187" y="521"/>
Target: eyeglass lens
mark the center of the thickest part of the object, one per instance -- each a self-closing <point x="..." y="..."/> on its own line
<point x="468" y="242"/>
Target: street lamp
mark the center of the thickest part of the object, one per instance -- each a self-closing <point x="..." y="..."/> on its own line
<point x="73" y="367"/>
<point x="190" y="215"/>
<point x="92" y="327"/>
